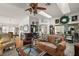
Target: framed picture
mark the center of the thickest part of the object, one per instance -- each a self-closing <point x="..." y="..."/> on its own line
<point x="57" y="21"/>
<point x="33" y="23"/>
<point x="64" y="19"/>
<point x="72" y="29"/>
<point x="25" y="27"/>
<point x="74" y="18"/>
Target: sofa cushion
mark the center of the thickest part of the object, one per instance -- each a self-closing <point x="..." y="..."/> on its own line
<point x="48" y="44"/>
<point x="44" y="37"/>
<point x="57" y="41"/>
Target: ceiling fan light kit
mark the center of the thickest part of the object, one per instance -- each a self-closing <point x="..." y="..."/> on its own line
<point x="34" y="8"/>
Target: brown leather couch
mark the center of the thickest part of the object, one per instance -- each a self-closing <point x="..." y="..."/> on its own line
<point x="52" y="49"/>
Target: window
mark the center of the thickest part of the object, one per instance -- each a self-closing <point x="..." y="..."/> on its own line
<point x="5" y="29"/>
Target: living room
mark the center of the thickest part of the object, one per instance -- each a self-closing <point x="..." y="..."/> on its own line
<point x="39" y="29"/>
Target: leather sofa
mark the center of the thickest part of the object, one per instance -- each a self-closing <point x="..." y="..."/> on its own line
<point x="50" y="48"/>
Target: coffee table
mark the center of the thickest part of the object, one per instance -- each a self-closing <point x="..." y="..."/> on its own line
<point x="33" y="51"/>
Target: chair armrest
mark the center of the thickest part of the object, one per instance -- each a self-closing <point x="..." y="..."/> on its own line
<point x="62" y="45"/>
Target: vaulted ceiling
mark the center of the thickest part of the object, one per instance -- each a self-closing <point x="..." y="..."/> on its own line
<point x="17" y="10"/>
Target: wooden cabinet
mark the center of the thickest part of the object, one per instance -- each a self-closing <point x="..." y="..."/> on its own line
<point x="76" y="47"/>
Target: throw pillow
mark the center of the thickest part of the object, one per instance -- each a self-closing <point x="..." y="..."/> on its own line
<point x="45" y="37"/>
<point x="57" y="41"/>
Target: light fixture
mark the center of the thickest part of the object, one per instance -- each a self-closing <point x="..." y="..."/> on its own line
<point x="34" y="8"/>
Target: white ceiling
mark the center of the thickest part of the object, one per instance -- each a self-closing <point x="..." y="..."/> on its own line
<point x="11" y="11"/>
<point x="17" y="10"/>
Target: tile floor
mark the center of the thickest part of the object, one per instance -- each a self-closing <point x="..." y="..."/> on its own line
<point x="69" y="49"/>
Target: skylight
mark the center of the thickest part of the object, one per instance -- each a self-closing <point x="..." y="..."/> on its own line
<point x="64" y="7"/>
<point x="44" y="14"/>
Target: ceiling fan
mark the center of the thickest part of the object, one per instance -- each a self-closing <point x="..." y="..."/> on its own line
<point x="34" y="8"/>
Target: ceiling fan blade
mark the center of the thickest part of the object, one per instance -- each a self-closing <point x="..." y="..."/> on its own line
<point x="29" y="9"/>
<point x="41" y="8"/>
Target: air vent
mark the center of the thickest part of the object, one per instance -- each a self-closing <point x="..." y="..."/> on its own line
<point x="48" y="3"/>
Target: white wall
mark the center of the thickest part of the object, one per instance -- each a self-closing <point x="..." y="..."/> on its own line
<point x="41" y="21"/>
<point x="9" y="23"/>
<point x="46" y="22"/>
<point x="8" y="20"/>
<point x="70" y="22"/>
<point x="33" y="19"/>
<point x="24" y="21"/>
<point x="74" y="21"/>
